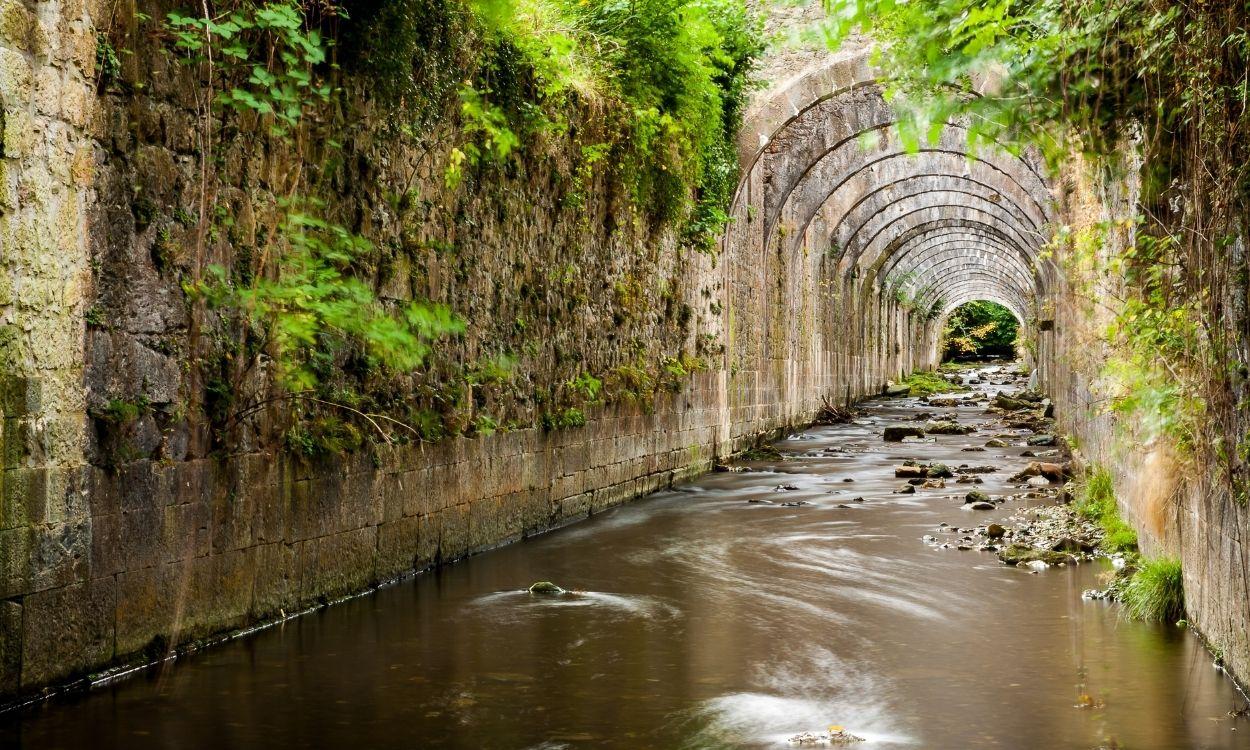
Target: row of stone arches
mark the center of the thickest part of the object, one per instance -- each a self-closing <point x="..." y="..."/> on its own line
<point x="851" y="249"/>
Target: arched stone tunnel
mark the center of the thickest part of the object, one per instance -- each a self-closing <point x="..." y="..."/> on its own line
<point x="875" y="243"/>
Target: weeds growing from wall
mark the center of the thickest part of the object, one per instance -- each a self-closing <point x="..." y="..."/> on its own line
<point x="297" y="307"/>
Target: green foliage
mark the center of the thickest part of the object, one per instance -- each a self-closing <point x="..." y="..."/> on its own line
<point x="95" y="317"/>
<point x="1095" y="500"/>
<point x="676" y="71"/>
<point x="107" y="64"/>
<point x="493" y="370"/>
<point x="586" y="386"/>
<point x="309" y="304"/>
<point x="980" y="328"/>
<point x="323" y="435"/>
<point x="1049" y="70"/>
<point x="121" y="411"/>
<point x="1167" y="79"/>
<point x="563" y="419"/>
<point x="273" y="45"/>
<point x="1156" y="591"/>
<point x="928" y="383"/>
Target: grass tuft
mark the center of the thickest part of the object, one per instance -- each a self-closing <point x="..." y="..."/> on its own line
<point x="1095" y="500"/>
<point x="928" y="383"/>
<point x="1155" y="592"/>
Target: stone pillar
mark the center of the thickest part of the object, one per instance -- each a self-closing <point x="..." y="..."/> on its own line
<point x="47" y="159"/>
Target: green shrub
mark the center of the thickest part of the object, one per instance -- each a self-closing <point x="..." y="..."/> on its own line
<point x="1156" y="591"/>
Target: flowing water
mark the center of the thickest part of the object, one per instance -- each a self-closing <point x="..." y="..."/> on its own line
<point x="702" y="620"/>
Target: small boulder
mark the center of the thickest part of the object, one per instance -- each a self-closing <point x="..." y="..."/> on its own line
<point x="979" y="506"/>
<point x="1068" y="544"/>
<point x="1015" y="554"/>
<point x="1052" y="472"/>
<point x="896" y="434"/>
<point x="896" y="389"/>
<point x="977" y="469"/>
<point x="976" y="496"/>
<point x="908" y="471"/>
<point x="907" y="489"/>
<point x="995" y="531"/>
<point x="939" y="471"/>
<point x="1042" y="440"/>
<point x="948" y="428"/>
<point x="995" y="443"/>
<point x="1007" y="403"/>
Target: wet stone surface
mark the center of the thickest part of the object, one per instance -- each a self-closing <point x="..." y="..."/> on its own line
<point x="799" y="599"/>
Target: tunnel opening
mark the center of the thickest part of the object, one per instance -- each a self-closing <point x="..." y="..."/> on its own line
<point x="980" y="329"/>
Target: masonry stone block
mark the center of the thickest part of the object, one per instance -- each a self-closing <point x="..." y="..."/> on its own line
<point x="67" y="630"/>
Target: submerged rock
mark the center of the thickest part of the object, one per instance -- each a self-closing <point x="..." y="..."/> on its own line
<point x="546" y="588"/>
<point x="837" y="736"/>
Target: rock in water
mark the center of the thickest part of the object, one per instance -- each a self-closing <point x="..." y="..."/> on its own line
<point x="1007" y="403"/>
<point x="1053" y="472"/>
<point x="1042" y="440"/>
<point x="896" y="434"/>
<point x="1068" y="544"/>
<point x="547" y="588"/>
<point x="897" y="389"/>
<point x="948" y="428"/>
<point x="976" y="496"/>
<point x="995" y="531"/>
<point x="996" y="443"/>
<point x="1015" y="554"/>
<point x="908" y="471"/>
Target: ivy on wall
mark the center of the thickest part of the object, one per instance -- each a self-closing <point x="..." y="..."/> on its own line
<point x="1165" y="80"/>
<point x="292" y="315"/>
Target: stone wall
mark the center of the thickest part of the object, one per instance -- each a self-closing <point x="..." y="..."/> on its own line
<point x="1182" y="508"/>
<point x="123" y="541"/>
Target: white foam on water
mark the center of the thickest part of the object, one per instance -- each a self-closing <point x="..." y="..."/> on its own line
<point x="512" y="606"/>
<point x="810" y="695"/>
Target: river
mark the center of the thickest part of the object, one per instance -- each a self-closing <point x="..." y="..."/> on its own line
<point x="703" y="620"/>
